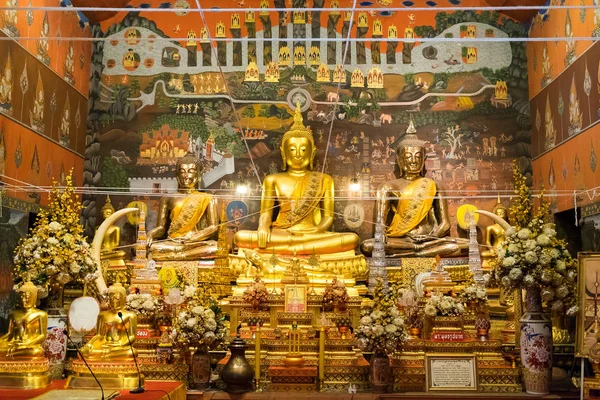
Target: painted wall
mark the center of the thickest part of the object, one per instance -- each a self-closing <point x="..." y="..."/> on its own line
<point x="153" y="100"/>
<point x="565" y="104"/>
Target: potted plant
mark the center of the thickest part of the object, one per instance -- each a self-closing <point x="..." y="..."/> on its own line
<point x="382" y="330"/>
<point x="475" y="297"/>
<point x="335" y="295"/>
<point x="533" y="258"/>
<point x="255" y="294"/>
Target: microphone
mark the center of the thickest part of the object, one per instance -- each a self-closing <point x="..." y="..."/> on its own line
<point x="85" y="362"/>
<point x="139" y="389"/>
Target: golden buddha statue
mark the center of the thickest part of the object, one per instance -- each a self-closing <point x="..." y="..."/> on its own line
<point x="111" y="239"/>
<point x="27" y="328"/>
<point x="186" y="221"/>
<point x="494" y="234"/>
<point x="305" y="202"/>
<point x="110" y="342"/>
<point x="419" y="225"/>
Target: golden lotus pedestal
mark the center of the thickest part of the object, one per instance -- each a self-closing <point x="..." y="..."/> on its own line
<point x="24" y="374"/>
<point x="112" y="375"/>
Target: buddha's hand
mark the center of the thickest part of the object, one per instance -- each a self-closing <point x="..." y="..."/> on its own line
<point x="148" y="243"/>
<point x="418" y="238"/>
<point x="263" y="237"/>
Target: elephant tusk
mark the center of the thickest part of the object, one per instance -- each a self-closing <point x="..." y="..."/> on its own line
<point x="500" y="221"/>
<point x="97" y="243"/>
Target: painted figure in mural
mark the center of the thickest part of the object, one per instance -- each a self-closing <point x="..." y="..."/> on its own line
<point x="187" y="221"/>
<point x="6" y="86"/>
<point x="420" y="225"/>
<point x="546" y="66"/>
<point x="9" y="18"/>
<point x="27" y="327"/>
<point x="305" y="200"/>
<point x="110" y="342"/>
<point x="112" y="238"/>
<point x="494" y="234"/>
<point x="42" y="43"/>
<point x="69" y="67"/>
<point x="65" y="125"/>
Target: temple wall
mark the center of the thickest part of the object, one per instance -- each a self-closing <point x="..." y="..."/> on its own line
<point x="565" y="103"/>
<point x="143" y="113"/>
<point x="43" y="114"/>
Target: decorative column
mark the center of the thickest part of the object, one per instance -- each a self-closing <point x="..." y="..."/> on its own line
<point x="362" y="28"/>
<point x="283" y="21"/>
<point x="265" y="20"/>
<point x="192" y="49"/>
<point x="299" y="28"/>
<point x="377" y="35"/>
<point x="474" y="256"/>
<point x="408" y="46"/>
<point x="251" y="29"/>
<point x="378" y="262"/>
<point x="334" y="17"/>
<point x="392" y="44"/>
<point x="236" y="33"/>
<point x="221" y="44"/>
<point x="206" y="48"/>
<point x="345" y="31"/>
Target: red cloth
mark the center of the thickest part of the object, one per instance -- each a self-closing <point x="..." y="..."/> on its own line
<point x="154" y="391"/>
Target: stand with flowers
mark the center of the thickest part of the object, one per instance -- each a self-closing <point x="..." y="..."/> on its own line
<point x="200" y="324"/>
<point x="146" y="306"/>
<point x="256" y="294"/>
<point x="408" y="303"/>
<point x="475" y="298"/>
<point x="534" y="259"/>
<point x="382" y="330"/>
<point x="335" y="295"/>
<point x="446" y="314"/>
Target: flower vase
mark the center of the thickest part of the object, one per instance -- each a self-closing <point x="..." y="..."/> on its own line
<point x="200" y="369"/>
<point x="482" y="323"/>
<point x="381" y="372"/>
<point x="416" y="324"/>
<point x="536" y="345"/>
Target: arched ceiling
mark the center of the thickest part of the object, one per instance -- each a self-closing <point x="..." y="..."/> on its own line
<point x="98" y="16"/>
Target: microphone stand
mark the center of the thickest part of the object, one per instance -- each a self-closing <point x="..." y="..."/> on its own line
<point x="139" y="389"/>
<point x="85" y="362"/>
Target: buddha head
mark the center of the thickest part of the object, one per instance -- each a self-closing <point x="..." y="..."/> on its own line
<point x="411" y="153"/>
<point x="116" y="296"/>
<point x="298" y="148"/>
<point x="500" y="210"/>
<point x="188" y="169"/>
<point x="107" y="209"/>
<point x="29" y="293"/>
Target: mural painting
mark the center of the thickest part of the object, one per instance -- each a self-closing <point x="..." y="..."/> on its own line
<point x="158" y="92"/>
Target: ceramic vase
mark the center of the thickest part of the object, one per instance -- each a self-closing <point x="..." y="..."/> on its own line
<point x="200" y="369"/>
<point x="536" y="345"/>
<point x="381" y="372"/>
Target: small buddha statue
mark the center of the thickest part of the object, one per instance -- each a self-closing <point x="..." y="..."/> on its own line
<point x="112" y="238"/>
<point x="187" y="222"/>
<point x="110" y="342"/>
<point x="305" y="203"/>
<point x="414" y="209"/>
<point x="27" y="328"/>
<point x="494" y="234"/>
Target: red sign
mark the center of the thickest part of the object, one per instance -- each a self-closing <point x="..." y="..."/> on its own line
<point x="448" y="336"/>
<point x="142" y="333"/>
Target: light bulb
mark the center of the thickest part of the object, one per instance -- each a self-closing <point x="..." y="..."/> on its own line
<point x="355" y="185"/>
<point x="242" y="189"/>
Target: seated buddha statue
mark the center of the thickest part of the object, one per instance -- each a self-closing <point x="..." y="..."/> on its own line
<point x="413" y="208"/>
<point x="304" y="201"/>
<point x="112" y="238"/>
<point x="27" y="328"/>
<point x="110" y="342"/>
<point x="494" y="234"/>
<point x="186" y="221"/>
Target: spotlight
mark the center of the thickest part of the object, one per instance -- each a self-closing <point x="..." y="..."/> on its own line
<point x="354" y="185"/>
<point x="242" y="189"/>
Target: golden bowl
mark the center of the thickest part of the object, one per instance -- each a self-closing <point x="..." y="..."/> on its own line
<point x="293" y="360"/>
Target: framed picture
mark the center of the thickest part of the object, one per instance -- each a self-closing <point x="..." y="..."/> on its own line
<point x="295" y="298"/>
<point x="588" y="318"/>
<point x="451" y="372"/>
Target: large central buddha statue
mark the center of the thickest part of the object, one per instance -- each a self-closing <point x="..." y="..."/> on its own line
<point x="297" y="205"/>
<point x="414" y="209"/>
<point x="187" y="221"/>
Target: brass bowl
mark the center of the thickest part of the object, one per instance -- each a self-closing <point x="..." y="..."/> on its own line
<point x="293" y="360"/>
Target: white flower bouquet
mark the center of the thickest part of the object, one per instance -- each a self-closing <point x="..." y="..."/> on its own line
<point x="440" y="305"/>
<point x="533" y="257"/>
<point x="144" y="304"/>
<point x="382" y="329"/>
<point x="474" y="293"/>
<point x="56" y="252"/>
<point x="200" y="323"/>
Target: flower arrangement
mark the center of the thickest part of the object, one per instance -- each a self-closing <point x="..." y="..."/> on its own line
<point x="143" y="304"/>
<point x="532" y="257"/>
<point x="335" y="293"/>
<point x="440" y="305"/>
<point x="381" y="329"/>
<point x="474" y="293"/>
<point x="56" y="252"/>
<point x="256" y="293"/>
<point x="200" y="323"/>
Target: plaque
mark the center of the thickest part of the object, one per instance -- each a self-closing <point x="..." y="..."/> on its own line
<point x="451" y="372"/>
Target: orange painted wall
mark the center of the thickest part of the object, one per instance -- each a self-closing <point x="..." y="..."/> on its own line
<point x="553" y="24"/>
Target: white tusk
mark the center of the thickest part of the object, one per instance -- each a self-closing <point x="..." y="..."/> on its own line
<point x="500" y="221"/>
<point x="97" y="243"/>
